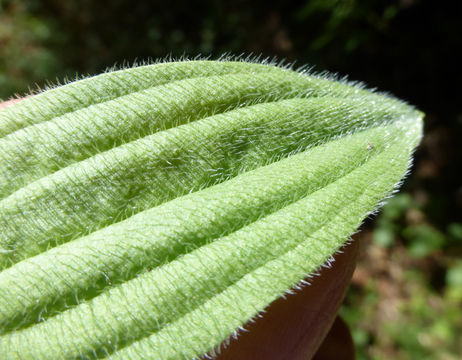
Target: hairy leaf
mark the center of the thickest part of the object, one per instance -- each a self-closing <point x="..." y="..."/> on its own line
<point x="150" y="212"/>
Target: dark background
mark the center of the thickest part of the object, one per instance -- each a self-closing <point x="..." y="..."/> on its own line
<point x="406" y="297"/>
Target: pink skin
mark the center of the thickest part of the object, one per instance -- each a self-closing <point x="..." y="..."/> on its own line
<point x="294" y="328"/>
<point x="303" y="325"/>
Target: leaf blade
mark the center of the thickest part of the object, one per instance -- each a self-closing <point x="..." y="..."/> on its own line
<point x="159" y="283"/>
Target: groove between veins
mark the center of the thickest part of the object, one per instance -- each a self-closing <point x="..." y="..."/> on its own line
<point x="41" y="129"/>
<point x="29" y="105"/>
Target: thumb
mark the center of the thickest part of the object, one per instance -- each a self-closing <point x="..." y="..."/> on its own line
<point x="293" y="327"/>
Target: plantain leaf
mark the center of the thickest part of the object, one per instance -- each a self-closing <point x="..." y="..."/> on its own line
<point x="151" y="212"/>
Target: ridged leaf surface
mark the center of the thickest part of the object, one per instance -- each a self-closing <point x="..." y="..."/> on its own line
<point x="149" y="213"/>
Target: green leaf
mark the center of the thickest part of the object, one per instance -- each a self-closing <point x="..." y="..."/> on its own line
<point x="423" y="239"/>
<point x="151" y="212"/>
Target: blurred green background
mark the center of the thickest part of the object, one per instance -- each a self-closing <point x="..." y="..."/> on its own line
<point x="406" y="298"/>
